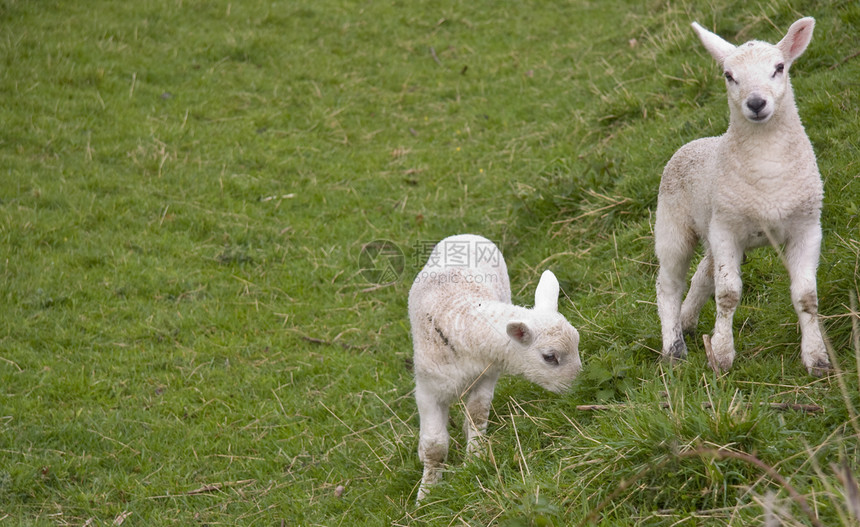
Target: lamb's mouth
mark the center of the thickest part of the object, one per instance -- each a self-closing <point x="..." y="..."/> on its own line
<point x="759" y="118"/>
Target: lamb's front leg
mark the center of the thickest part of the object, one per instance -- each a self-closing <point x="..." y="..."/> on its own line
<point x="727" y="255"/>
<point x="674" y="250"/>
<point x="478" y="403"/>
<point x="701" y="290"/>
<point x="433" y="436"/>
<point x="801" y="257"/>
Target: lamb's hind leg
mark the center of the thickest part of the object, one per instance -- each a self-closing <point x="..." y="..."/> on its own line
<point x="433" y="436"/>
<point x="701" y="290"/>
<point x="478" y="404"/>
<point x="674" y="246"/>
<point x="801" y="257"/>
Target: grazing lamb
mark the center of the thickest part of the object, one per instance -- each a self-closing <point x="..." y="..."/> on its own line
<point x="466" y="333"/>
<point x="757" y="184"/>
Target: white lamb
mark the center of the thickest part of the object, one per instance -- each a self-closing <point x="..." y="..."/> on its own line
<point x="466" y="333"/>
<point x="757" y="184"/>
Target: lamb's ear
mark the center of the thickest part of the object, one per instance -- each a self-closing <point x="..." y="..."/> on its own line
<point x="716" y="46"/>
<point x="798" y="37"/>
<point x="521" y="332"/>
<point x="546" y="294"/>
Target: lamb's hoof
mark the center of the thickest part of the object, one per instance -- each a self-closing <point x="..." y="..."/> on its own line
<point x="677" y="352"/>
<point x="423" y="490"/>
<point x="719" y="365"/>
<point x="820" y="368"/>
<point x="476" y="448"/>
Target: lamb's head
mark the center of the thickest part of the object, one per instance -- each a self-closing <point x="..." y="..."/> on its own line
<point x="550" y="354"/>
<point x="757" y="72"/>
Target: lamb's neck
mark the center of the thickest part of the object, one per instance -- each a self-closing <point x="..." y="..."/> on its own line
<point x="491" y="320"/>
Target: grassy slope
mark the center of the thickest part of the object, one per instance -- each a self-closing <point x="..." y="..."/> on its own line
<point x="185" y="191"/>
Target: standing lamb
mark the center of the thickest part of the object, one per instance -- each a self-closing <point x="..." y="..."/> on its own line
<point x="757" y="184"/>
<point x="466" y="333"/>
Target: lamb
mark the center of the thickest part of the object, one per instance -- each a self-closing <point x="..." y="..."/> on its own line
<point x="466" y="333"/>
<point x="757" y="184"/>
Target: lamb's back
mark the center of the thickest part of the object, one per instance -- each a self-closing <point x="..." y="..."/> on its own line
<point x="442" y="304"/>
<point x="688" y="168"/>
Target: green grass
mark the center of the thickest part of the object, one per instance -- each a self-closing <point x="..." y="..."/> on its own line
<point x="188" y="338"/>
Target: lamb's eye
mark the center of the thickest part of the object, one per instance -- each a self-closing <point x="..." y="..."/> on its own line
<point x="779" y="69"/>
<point x="729" y="77"/>
<point x="550" y="358"/>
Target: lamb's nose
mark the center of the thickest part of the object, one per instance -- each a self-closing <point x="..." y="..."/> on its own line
<point x="756" y="103"/>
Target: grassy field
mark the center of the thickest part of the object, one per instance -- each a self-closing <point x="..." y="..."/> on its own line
<point x="191" y="335"/>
